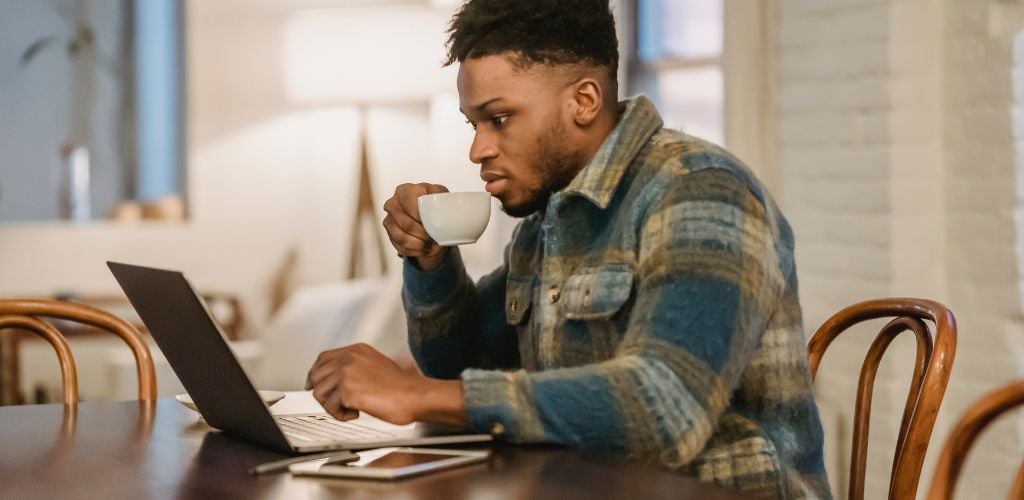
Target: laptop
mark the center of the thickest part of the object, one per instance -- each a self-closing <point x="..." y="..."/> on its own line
<point x="195" y="347"/>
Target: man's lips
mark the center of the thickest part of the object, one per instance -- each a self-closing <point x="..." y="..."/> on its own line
<point x="489" y="176"/>
<point x="495" y="182"/>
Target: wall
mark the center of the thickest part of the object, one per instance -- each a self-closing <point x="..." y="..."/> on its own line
<point x="895" y="159"/>
<point x="267" y="176"/>
<point x="982" y="238"/>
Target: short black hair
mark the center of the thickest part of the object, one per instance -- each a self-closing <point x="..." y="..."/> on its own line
<point x="538" y="31"/>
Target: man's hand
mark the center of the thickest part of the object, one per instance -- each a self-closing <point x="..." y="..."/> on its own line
<point x="405" y="229"/>
<point x="359" y="378"/>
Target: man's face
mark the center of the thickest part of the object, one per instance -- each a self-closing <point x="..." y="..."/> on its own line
<point x="521" y="143"/>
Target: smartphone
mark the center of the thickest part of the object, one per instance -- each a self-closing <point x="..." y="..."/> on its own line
<point x="390" y="463"/>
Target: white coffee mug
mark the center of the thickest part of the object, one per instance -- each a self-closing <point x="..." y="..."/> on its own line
<point x="455" y="218"/>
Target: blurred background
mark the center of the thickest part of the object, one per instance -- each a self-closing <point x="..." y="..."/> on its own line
<point x="251" y="144"/>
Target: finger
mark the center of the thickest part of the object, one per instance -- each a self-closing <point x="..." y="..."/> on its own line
<point x="335" y="403"/>
<point x="336" y="412"/>
<point x="435" y="188"/>
<point x="343" y="413"/>
<point x="310" y="384"/>
<point x="393" y="232"/>
<point x="408" y="199"/>
<point x="323" y="388"/>
<point x="392" y="205"/>
<point x="322" y="393"/>
<point x="402" y="240"/>
<point x="309" y="378"/>
<point x="410" y="226"/>
<point x="414" y="247"/>
<point x="410" y="246"/>
<point x="323" y="358"/>
<point x="324" y="374"/>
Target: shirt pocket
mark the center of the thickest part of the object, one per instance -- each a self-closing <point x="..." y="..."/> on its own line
<point x="518" y="298"/>
<point x="597" y="293"/>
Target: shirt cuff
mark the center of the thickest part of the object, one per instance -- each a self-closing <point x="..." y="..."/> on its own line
<point x="431" y="287"/>
<point x="496" y="406"/>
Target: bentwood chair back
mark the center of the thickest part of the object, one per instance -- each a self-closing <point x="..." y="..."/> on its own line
<point x="966" y="431"/>
<point x="25" y="314"/>
<point x="928" y="386"/>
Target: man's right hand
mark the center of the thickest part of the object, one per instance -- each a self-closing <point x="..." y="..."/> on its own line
<point x="405" y="229"/>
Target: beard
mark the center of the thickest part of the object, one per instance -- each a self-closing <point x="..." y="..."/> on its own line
<point x="556" y="168"/>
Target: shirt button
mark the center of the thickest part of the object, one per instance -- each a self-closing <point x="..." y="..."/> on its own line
<point x="554" y="296"/>
<point x="497" y="429"/>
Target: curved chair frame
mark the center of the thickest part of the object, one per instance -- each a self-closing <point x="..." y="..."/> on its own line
<point x="68" y="372"/>
<point x="931" y="374"/>
<point x="966" y="431"/>
<point x="23" y="314"/>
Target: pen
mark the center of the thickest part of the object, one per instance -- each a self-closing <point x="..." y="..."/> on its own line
<point x="279" y="465"/>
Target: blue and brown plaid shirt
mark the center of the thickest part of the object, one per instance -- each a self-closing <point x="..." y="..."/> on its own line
<point x="650" y="311"/>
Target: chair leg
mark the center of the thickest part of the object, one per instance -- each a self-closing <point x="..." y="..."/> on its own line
<point x="9" y="369"/>
<point x="68" y="371"/>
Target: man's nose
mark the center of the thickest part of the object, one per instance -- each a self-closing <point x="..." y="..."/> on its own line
<point x="482" y="149"/>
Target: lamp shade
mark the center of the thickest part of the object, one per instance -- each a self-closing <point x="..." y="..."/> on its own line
<point x="364" y="55"/>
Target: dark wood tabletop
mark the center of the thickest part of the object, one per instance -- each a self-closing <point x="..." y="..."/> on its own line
<point x="130" y="450"/>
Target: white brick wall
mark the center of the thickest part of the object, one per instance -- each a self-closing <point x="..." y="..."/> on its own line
<point x="834" y="166"/>
<point x="897" y="156"/>
<point x="983" y="240"/>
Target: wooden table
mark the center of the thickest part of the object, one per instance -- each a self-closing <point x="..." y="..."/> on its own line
<point x="127" y="450"/>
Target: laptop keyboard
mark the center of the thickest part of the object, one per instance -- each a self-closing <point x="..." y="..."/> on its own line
<point x="319" y="428"/>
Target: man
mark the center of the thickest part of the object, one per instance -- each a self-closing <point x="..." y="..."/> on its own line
<point x="647" y="306"/>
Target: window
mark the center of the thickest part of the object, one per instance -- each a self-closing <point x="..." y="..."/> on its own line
<point x="94" y="91"/>
<point x="159" y="87"/>
<point x="678" y="63"/>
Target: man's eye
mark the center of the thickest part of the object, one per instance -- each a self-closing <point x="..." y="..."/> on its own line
<point x="498" y="121"/>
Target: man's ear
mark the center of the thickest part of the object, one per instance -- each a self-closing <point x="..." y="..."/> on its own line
<point x="587" y="99"/>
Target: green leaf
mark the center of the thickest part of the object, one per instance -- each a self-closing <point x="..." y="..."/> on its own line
<point x="35" y="48"/>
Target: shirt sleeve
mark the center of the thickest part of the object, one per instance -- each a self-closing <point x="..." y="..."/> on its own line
<point x="707" y="278"/>
<point x="455" y="324"/>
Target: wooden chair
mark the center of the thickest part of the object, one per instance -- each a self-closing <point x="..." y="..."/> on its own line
<point x="963" y="435"/>
<point x="928" y="385"/>
<point x="24" y="314"/>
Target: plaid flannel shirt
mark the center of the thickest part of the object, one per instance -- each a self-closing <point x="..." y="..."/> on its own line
<point x="649" y="311"/>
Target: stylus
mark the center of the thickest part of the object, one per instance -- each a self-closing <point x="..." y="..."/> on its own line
<point x="337" y="457"/>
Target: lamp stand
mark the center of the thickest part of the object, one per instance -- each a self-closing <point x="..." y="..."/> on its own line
<point x="365" y="213"/>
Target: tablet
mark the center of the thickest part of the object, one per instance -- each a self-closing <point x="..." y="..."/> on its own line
<point x="390" y="463"/>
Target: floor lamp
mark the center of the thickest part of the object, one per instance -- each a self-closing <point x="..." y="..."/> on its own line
<point x="327" y="61"/>
<point x="366" y="209"/>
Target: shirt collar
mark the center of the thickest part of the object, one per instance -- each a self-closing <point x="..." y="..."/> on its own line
<point x="600" y="177"/>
